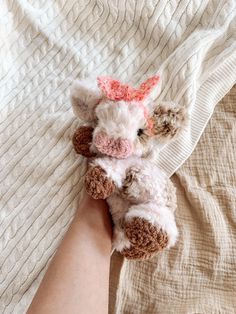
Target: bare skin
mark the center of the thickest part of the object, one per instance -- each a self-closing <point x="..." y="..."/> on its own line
<point x="78" y="276"/>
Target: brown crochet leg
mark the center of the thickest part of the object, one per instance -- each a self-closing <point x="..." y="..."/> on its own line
<point x="97" y="184"/>
<point x="145" y="236"/>
<point x="82" y="140"/>
<point x="137" y="254"/>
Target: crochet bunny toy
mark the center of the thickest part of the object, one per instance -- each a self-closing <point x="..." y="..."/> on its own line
<point x="121" y="124"/>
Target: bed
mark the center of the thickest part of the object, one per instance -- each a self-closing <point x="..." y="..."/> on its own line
<point x="45" y="45"/>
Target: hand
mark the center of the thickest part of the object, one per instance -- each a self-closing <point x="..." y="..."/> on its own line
<point x="82" y="260"/>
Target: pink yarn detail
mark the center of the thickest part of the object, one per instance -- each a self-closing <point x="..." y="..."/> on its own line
<point x="150" y="125"/>
<point x="118" y="148"/>
<point x="115" y="90"/>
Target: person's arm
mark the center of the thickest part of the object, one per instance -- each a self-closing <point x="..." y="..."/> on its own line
<point x="77" y="279"/>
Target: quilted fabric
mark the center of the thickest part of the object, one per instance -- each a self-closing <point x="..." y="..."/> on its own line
<point x="47" y="44"/>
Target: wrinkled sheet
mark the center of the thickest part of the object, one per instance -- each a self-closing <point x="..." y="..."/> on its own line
<point x="198" y="275"/>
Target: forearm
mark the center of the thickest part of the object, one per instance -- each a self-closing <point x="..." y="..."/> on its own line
<point x="77" y="279"/>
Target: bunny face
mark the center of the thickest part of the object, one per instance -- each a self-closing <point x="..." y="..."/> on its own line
<point x="123" y="126"/>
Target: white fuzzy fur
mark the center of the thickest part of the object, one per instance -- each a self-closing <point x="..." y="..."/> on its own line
<point x="120" y="241"/>
<point x="116" y="119"/>
<point x="147" y="197"/>
<point x="85" y="95"/>
<point x="119" y="119"/>
<point x="155" y="210"/>
<point x="115" y="168"/>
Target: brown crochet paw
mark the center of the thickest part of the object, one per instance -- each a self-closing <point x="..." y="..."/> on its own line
<point x="145" y="236"/>
<point x="97" y="184"/>
<point x="82" y="140"/>
<point x="137" y="254"/>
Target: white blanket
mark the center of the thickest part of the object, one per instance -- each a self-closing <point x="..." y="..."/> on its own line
<point x="47" y="44"/>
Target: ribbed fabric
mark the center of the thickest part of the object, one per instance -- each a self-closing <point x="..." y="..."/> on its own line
<point x="45" y="45"/>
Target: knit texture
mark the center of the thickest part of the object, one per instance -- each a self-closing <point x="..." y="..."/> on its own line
<point x="82" y="139"/>
<point x="45" y="45"/>
<point x="115" y="90"/>
<point x="146" y="240"/>
<point x="119" y="148"/>
<point x="97" y="184"/>
<point x="146" y="236"/>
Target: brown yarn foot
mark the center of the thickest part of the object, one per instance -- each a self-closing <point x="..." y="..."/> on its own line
<point x="82" y="140"/>
<point x="145" y="236"/>
<point x="97" y="184"/>
<point x="137" y="254"/>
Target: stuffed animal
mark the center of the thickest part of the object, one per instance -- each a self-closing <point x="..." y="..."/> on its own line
<point x="121" y="126"/>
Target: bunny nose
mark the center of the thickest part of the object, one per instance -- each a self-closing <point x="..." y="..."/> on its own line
<point x="119" y="148"/>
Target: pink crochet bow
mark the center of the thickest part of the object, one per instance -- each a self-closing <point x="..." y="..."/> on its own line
<point x="115" y="90"/>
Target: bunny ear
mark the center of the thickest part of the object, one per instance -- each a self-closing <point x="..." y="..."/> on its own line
<point x="145" y="88"/>
<point x="113" y="89"/>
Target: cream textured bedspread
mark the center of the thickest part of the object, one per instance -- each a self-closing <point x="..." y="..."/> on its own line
<point x="198" y="276"/>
